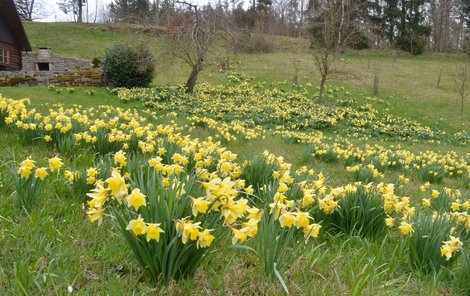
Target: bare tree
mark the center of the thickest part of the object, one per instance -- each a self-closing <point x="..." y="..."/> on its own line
<point x="30" y="9"/>
<point x="193" y="38"/>
<point x="460" y="79"/>
<point x="333" y="30"/>
<point x="73" y="6"/>
<point x="301" y="20"/>
<point x="440" y="13"/>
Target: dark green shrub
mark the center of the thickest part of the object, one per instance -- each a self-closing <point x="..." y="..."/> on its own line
<point x="414" y="45"/>
<point x="252" y="43"/>
<point x="96" y="62"/>
<point x="363" y="175"/>
<point x="128" y="65"/>
<point x="361" y="42"/>
<point x="442" y="203"/>
<point x="307" y="156"/>
<point x="326" y="155"/>
<point x="466" y="180"/>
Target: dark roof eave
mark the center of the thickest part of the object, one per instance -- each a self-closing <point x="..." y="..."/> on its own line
<point x="8" y="9"/>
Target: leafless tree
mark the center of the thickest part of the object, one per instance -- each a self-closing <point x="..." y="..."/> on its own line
<point x="192" y="39"/>
<point x="460" y="79"/>
<point x="333" y="30"/>
<point x="30" y="9"/>
<point x="438" y="82"/>
<point x="440" y="14"/>
<point x="73" y="6"/>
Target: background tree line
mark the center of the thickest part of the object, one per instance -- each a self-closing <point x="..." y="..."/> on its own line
<point x="410" y="25"/>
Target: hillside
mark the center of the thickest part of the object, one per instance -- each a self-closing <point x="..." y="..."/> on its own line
<point x="247" y="186"/>
<point x="406" y="83"/>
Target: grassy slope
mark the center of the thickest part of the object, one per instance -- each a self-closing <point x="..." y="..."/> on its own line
<point x="423" y="103"/>
<point x="407" y="83"/>
<point x="68" y="253"/>
<point x="77" y="41"/>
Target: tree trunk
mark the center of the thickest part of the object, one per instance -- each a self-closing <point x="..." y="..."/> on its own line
<point x="30" y="12"/>
<point x="461" y="104"/>
<point x="301" y="22"/>
<point x="376" y="85"/>
<point x="191" y="83"/>
<point x="80" y="11"/>
<point x="438" y="83"/>
<point x="322" y="89"/>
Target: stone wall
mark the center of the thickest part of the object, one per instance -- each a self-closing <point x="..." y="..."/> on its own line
<point x="79" y="77"/>
<point x="60" y="71"/>
<point x="56" y="64"/>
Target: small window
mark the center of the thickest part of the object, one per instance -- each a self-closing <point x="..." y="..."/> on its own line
<point x="4" y="56"/>
<point x="43" y="66"/>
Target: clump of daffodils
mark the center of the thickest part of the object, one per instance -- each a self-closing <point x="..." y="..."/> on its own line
<point x="365" y="174"/>
<point x="29" y="179"/>
<point x="171" y="212"/>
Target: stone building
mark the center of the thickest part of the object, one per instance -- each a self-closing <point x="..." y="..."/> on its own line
<point x="44" y="61"/>
<point x="19" y="65"/>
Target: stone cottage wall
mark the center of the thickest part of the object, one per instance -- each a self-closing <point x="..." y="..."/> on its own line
<point x="57" y="64"/>
<point x="62" y="71"/>
<point x="79" y="77"/>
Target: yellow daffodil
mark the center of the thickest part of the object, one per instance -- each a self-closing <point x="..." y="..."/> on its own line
<point x="137" y="226"/>
<point x="117" y="185"/>
<point x="41" y="173"/>
<point x="96" y="215"/>
<point x="200" y="205"/>
<point x="287" y="219"/>
<point x="303" y="219"/>
<point x="312" y="230"/>
<point x="55" y="163"/>
<point x="136" y="199"/>
<point x="451" y="246"/>
<point x="389" y="221"/>
<point x="120" y="158"/>
<point x="154" y="231"/>
<point x="426" y="202"/>
<point x="406" y="227"/>
<point x="205" y="239"/>
<point x="238" y="236"/>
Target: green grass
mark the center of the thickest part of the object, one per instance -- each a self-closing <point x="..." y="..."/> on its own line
<point x="406" y="83"/>
<point x="42" y="95"/>
<point x="82" y="41"/>
<point x="46" y="251"/>
<point x="42" y="98"/>
<point x="53" y="247"/>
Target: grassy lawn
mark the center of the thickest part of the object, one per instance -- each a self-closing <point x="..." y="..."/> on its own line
<point x="407" y="83"/>
<point x="53" y="247"/>
<point x="42" y="99"/>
